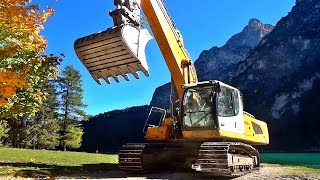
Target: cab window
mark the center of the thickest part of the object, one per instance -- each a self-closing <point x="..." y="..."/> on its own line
<point x="197" y="107"/>
<point x="228" y="102"/>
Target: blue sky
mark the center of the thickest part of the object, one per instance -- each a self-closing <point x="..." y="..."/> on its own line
<point x="203" y="25"/>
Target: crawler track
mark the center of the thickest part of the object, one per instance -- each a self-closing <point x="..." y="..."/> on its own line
<point x="131" y="157"/>
<point x="228" y="159"/>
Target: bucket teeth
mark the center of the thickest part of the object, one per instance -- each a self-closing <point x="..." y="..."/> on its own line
<point x="96" y="79"/>
<point x="107" y="80"/>
<point x="116" y="79"/>
<point x="126" y="77"/>
<point x="136" y="75"/>
<point x="118" y="51"/>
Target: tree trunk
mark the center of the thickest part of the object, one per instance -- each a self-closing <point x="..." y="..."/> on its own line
<point x="64" y="147"/>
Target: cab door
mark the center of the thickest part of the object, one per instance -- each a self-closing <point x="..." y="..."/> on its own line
<point x="230" y="111"/>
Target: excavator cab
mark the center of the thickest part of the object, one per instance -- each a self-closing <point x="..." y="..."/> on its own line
<point x="214" y="110"/>
<point x="119" y="50"/>
<point x="212" y="105"/>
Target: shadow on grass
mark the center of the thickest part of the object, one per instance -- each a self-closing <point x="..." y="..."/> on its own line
<point x="96" y="171"/>
<point x="39" y="170"/>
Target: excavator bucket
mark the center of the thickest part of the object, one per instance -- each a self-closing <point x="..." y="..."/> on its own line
<point x="115" y="52"/>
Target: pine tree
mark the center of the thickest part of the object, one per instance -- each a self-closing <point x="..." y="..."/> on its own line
<point x="73" y="136"/>
<point x="71" y="105"/>
<point x="49" y="136"/>
<point x="47" y="120"/>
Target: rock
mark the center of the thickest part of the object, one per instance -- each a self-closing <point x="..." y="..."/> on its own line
<point x="220" y="63"/>
<point x="161" y="96"/>
<point x="280" y="79"/>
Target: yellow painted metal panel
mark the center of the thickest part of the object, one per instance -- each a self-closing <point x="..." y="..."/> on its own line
<point x="158" y="133"/>
<point x="220" y="134"/>
<point x="170" y="42"/>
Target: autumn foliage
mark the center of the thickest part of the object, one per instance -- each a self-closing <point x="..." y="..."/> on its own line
<point x="23" y="64"/>
<point x="10" y="81"/>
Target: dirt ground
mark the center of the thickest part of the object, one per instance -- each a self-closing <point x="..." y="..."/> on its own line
<point x="266" y="172"/>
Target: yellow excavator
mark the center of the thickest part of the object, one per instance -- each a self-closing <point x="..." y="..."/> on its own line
<point x="209" y="132"/>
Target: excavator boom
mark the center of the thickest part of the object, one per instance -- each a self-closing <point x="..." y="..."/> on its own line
<point x="171" y="44"/>
<point x="120" y="50"/>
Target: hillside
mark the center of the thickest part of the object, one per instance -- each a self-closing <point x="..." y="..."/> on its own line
<point x="280" y="79"/>
<point x="106" y="132"/>
<point x="220" y="63"/>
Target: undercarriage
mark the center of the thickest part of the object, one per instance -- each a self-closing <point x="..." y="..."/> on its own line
<point x="227" y="159"/>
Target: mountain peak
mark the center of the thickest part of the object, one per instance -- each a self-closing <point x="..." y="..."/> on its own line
<point x="251" y="34"/>
<point x="254" y="22"/>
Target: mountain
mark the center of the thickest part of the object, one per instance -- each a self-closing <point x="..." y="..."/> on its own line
<point x="280" y="80"/>
<point x="220" y="63"/>
<point x="161" y="96"/>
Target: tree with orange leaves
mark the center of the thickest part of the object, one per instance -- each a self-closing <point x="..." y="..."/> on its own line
<point x="24" y="67"/>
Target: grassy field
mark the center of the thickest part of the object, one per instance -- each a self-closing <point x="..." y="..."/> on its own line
<point x="43" y="163"/>
<point x="31" y="163"/>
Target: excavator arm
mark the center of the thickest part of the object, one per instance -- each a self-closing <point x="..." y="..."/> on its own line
<point x="171" y="44"/>
<point x="120" y="50"/>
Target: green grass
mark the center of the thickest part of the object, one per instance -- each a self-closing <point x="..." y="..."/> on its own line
<point x="33" y="163"/>
<point x="43" y="163"/>
<point x="311" y="160"/>
<point x="54" y="157"/>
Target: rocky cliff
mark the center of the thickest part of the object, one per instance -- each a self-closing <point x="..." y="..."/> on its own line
<point x="280" y="79"/>
<point x="221" y="63"/>
<point x="161" y="96"/>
